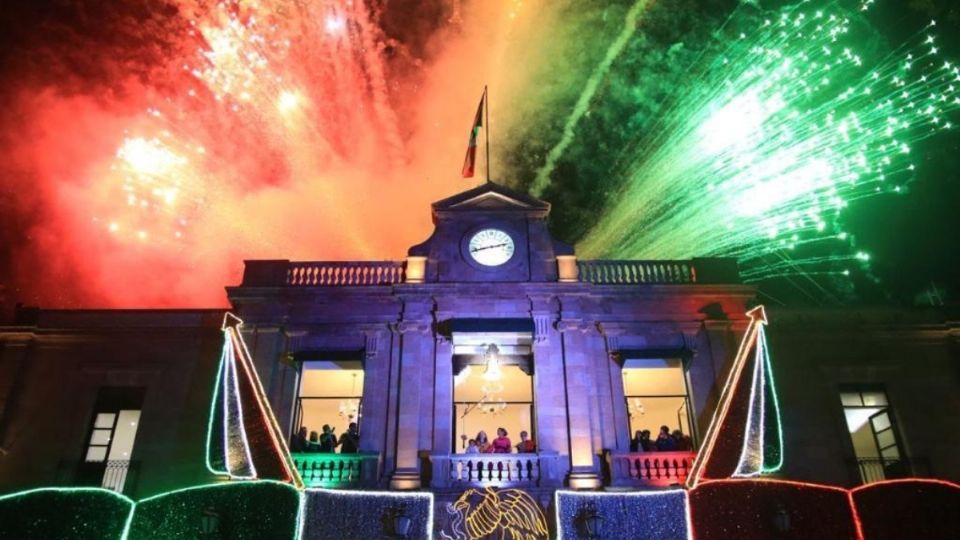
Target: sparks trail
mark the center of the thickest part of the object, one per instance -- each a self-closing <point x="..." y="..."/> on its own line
<point x="283" y="90"/>
<point x="763" y="151"/>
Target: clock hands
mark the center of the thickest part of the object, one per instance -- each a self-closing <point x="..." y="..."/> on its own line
<point x="474" y="250"/>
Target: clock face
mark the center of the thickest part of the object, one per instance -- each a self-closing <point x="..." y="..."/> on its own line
<point x="491" y="247"/>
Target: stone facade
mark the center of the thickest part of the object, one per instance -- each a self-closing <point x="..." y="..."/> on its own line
<point x="403" y="319"/>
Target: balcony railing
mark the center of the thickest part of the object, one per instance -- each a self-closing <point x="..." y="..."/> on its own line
<point x="338" y="470"/>
<point x="636" y="272"/>
<point x="284" y="273"/>
<point x="502" y="470"/>
<point x="877" y="469"/>
<point x="320" y="273"/>
<point x="649" y="469"/>
<point x="118" y="475"/>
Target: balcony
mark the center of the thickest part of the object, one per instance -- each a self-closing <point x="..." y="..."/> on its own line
<point x="284" y="273"/>
<point x="115" y="474"/>
<point x="498" y="470"/>
<point x="338" y="471"/>
<point x="878" y="469"/>
<point x="649" y="469"/>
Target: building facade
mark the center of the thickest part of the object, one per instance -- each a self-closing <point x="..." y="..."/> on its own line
<point x="490" y="323"/>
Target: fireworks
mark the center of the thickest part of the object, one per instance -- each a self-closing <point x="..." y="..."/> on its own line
<point x="786" y="126"/>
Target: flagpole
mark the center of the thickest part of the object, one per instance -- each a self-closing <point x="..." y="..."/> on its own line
<point x="486" y="101"/>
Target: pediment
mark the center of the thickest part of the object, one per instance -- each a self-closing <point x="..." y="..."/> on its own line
<point x="491" y="201"/>
<point x="491" y="197"/>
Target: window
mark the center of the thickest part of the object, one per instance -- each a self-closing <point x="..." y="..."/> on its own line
<point x="485" y="404"/>
<point x="872" y="433"/>
<point x="656" y="394"/>
<point x="331" y="393"/>
<point x="106" y="458"/>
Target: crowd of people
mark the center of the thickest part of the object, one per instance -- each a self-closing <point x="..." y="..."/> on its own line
<point x="326" y="442"/>
<point x="501" y="445"/>
<point x="665" y="441"/>
<point x="349" y="442"/>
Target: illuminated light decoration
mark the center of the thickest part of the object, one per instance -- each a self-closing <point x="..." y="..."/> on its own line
<point x="759" y="455"/>
<point x="241" y="485"/>
<point x="769" y="141"/>
<point x="252" y="445"/>
<point x="500" y="513"/>
<point x="740" y="508"/>
<point x="743" y="439"/>
<point x="77" y="520"/>
<point x="328" y="509"/>
<point x="661" y="514"/>
<point x="230" y="453"/>
<point x="919" y="513"/>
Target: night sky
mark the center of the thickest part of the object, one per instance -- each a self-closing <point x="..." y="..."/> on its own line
<point x="378" y="104"/>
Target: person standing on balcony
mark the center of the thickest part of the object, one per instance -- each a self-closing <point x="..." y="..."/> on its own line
<point x="472" y="447"/>
<point x="483" y="444"/>
<point x="350" y="441"/>
<point x="665" y="443"/>
<point x="637" y="443"/>
<point x="526" y="446"/>
<point x="501" y="445"/>
<point x="328" y="440"/>
<point x="299" y="441"/>
<point x="645" y="443"/>
<point x="313" y="445"/>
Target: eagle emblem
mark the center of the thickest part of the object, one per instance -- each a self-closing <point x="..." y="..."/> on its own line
<point x="505" y="514"/>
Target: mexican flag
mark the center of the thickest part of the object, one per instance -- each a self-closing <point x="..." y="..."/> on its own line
<point x="470" y="160"/>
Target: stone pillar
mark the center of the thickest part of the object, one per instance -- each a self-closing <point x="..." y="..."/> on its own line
<point x="443" y="396"/>
<point x="578" y="378"/>
<point x="550" y="400"/>
<point x="708" y="369"/>
<point x="621" y="416"/>
<point x="267" y="346"/>
<point x="376" y="391"/>
<point x="416" y="354"/>
<point x="13" y="366"/>
<point x="603" y="419"/>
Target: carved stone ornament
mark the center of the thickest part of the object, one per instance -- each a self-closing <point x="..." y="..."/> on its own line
<point x="416" y="327"/>
<point x="575" y="325"/>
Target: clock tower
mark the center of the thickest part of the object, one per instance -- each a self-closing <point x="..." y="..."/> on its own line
<point x="490" y="233"/>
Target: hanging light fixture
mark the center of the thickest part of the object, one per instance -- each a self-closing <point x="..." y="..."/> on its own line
<point x="492" y="357"/>
<point x="350" y="408"/>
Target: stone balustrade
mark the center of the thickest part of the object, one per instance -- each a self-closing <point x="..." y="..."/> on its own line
<point x="636" y="272"/>
<point x="699" y="271"/>
<point x="284" y="273"/>
<point x="501" y="470"/>
<point x="337" y="470"/>
<point x="649" y="469"/>
<point x="336" y="273"/>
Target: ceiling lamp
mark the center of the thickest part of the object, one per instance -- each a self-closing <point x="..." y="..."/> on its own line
<point x="492" y="357"/>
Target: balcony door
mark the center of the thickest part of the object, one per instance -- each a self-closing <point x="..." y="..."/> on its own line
<point x="873" y="434"/>
<point x="331" y="394"/>
<point x="656" y="393"/>
<point x="485" y="402"/>
<point x="109" y="443"/>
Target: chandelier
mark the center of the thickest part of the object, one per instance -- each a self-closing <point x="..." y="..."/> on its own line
<point x="350" y="408"/>
<point x="636" y="406"/>
<point x="492" y="357"/>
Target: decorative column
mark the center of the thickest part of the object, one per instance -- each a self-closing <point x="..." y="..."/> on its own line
<point x="708" y="369"/>
<point x="267" y="346"/>
<point x="614" y="363"/>
<point x="443" y="396"/>
<point x="416" y="354"/>
<point x="550" y="400"/>
<point x="376" y="389"/>
<point x="578" y="379"/>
